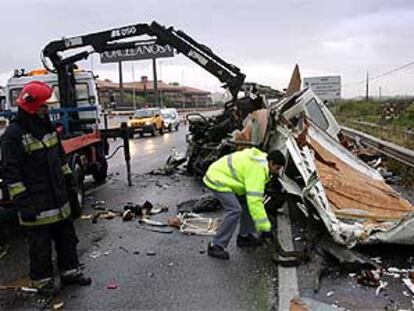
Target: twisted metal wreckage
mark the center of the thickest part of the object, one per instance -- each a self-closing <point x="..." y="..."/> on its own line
<point x="329" y="182"/>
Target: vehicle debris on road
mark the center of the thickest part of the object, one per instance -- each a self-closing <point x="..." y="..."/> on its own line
<point x="97" y="254"/>
<point x="315" y="160"/>
<point x="307" y="304"/>
<point x="204" y="204"/>
<point x="58" y="305"/>
<point x="112" y="286"/>
<point x="192" y="223"/>
<point x="173" y="162"/>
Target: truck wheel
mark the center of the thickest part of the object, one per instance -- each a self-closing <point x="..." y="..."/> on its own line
<point x="153" y="131"/>
<point x="176" y="127"/>
<point x="101" y="172"/>
<point x="170" y="128"/>
<point x="76" y="198"/>
<point x="141" y="134"/>
<point x="161" y="130"/>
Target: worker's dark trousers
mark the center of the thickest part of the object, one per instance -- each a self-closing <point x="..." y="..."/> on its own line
<point x="236" y="212"/>
<point x="40" y="248"/>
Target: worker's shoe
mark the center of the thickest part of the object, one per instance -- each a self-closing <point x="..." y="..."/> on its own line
<point x="46" y="287"/>
<point x="217" y="252"/>
<point x="248" y="241"/>
<point x="75" y="277"/>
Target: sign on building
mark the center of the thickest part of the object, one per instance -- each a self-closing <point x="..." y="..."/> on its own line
<point x="145" y="50"/>
<point x="326" y="88"/>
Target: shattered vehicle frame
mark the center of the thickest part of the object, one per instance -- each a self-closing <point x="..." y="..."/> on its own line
<point x="350" y="198"/>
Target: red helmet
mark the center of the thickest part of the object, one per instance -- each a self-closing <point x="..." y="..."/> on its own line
<point x="34" y="95"/>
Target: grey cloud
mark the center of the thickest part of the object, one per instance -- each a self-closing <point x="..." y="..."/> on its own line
<point x="323" y="35"/>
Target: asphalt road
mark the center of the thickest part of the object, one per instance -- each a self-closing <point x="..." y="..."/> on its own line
<point x="180" y="276"/>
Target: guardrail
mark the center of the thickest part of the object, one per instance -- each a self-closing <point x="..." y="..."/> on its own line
<point x="399" y="136"/>
<point x="386" y="148"/>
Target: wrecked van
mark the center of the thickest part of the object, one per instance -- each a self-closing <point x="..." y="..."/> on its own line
<point x="350" y="198"/>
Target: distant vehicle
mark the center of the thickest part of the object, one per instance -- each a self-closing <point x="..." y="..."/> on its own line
<point x="147" y="120"/>
<point x="171" y="119"/>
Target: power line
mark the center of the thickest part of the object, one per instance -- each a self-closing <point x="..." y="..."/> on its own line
<point x="381" y="74"/>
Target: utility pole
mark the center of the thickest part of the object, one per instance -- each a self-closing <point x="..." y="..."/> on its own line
<point x="379" y="92"/>
<point x="367" y="89"/>
<point x="154" y="67"/>
<point x="133" y="88"/>
<point x="121" y="84"/>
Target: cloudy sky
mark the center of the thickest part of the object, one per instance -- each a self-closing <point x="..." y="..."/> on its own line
<point x="263" y="38"/>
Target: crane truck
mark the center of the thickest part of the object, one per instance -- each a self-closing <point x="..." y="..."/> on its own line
<point x="76" y="112"/>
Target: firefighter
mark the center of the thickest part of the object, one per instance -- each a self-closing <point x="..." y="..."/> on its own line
<point x="38" y="178"/>
<point x="238" y="181"/>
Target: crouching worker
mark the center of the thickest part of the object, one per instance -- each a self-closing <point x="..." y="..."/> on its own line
<point x="238" y="181"/>
<point x="38" y="178"/>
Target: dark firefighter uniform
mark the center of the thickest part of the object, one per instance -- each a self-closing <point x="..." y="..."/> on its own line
<point x="37" y="174"/>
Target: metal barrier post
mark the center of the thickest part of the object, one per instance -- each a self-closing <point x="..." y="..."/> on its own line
<point x="127" y="154"/>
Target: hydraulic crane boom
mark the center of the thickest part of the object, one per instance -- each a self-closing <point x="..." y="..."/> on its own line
<point x="110" y="40"/>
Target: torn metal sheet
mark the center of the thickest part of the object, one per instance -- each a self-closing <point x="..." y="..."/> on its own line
<point x="350" y="197"/>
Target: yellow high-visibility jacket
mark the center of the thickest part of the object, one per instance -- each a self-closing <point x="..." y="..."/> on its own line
<point x="246" y="173"/>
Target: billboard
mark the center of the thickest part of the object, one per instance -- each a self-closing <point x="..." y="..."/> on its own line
<point x="326" y="87"/>
<point x="147" y="50"/>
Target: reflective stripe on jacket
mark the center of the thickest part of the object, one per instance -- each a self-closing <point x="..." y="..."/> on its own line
<point x="246" y="173"/>
<point x="47" y="217"/>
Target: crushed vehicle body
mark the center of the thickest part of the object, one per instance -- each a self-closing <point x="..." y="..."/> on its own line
<point x="349" y="197"/>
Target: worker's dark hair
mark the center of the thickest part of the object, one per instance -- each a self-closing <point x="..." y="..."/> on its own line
<point x="276" y="157"/>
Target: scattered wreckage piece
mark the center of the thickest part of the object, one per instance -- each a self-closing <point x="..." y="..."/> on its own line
<point x="409" y="283"/>
<point x="146" y="209"/>
<point x="309" y="304"/>
<point x="173" y="162"/>
<point x="192" y="223"/>
<point x="204" y="204"/>
<point x="347" y="258"/>
<point x="151" y="222"/>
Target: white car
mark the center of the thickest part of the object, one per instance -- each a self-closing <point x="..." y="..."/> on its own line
<point x="171" y="119"/>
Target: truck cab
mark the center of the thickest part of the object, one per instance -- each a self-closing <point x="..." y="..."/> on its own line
<point x="86" y="91"/>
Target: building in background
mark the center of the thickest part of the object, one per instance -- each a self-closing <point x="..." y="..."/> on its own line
<point x="170" y="95"/>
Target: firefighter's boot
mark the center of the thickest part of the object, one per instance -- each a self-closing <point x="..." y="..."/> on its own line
<point x="75" y="277"/>
<point x="46" y="287"/>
